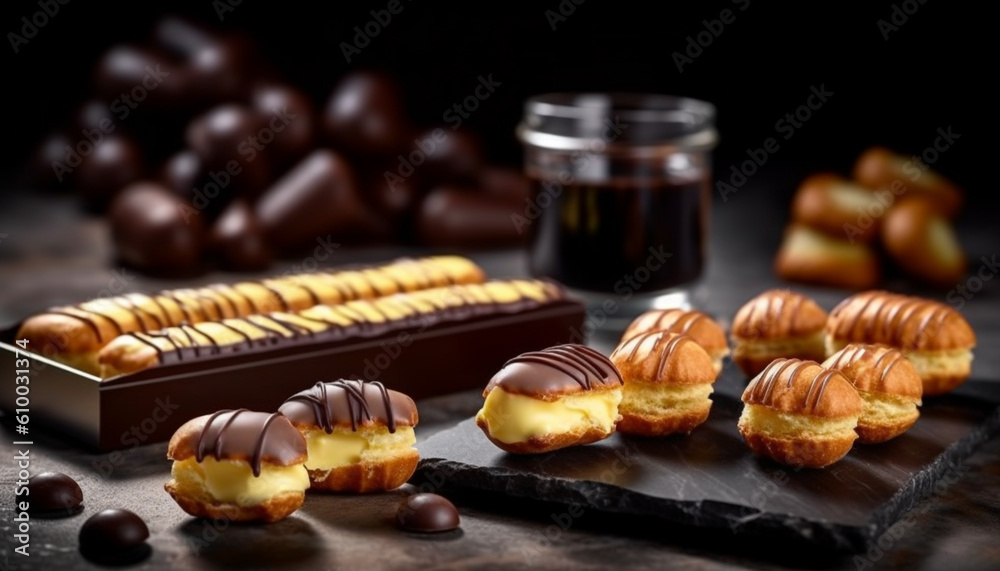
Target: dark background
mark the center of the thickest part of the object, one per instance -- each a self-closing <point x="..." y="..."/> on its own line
<point x="933" y="72"/>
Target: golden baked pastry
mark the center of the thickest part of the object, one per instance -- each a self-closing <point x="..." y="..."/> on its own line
<point x="838" y="207"/>
<point x="887" y="383"/>
<point x="238" y="465"/>
<point x="933" y="336"/>
<point x="696" y="325"/>
<point x="777" y="323"/>
<point x="541" y="401"/>
<point x="359" y="435"/>
<point x="923" y="243"/>
<point x="75" y="334"/>
<point x="798" y="413"/>
<point x="363" y="318"/>
<point x="879" y="168"/>
<point x="668" y="379"/>
<point x="810" y="256"/>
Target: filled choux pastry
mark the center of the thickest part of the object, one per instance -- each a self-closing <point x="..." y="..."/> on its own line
<point x="696" y="325"/>
<point x="810" y="256"/>
<point x="777" y="323"/>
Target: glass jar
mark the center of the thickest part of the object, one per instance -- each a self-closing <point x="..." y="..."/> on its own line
<point x="622" y="194"/>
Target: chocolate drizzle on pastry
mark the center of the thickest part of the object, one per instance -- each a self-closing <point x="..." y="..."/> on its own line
<point x="761" y="388"/>
<point x="673" y="341"/>
<point x="559" y="369"/>
<point x="349" y="402"/>
<point x="903" y="321"/>
<point x="778" y="313"/>
<point x="253" y="436"/>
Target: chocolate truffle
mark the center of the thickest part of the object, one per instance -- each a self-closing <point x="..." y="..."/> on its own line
<point x="237" y="240"/>
<point x="134" y="77"/>
<point x="317" y="198"/>
<point x="114" y="537"/>
<point x="219" y="70"/>
<point x="427" y="513"/>
<point x="289" y="117"/>
<point x="365" y="113"/>
<point x="155" y="232"/>
<point x="226" y="139"/>
<point x="182" y="37"/>
<point x="453" y="217"/>
<point x="52" y="494"/>
<point x="116" y="161"/>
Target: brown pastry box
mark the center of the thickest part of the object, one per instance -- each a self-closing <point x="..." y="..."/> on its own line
<point x="149" y="405"/>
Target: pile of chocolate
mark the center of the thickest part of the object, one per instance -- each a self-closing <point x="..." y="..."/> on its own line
<point x="201" y="155"/>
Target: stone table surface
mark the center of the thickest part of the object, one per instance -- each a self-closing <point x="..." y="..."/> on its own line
<point x="52" y="254"/>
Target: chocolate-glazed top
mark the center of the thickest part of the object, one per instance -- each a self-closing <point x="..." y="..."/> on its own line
<point x="906" y="322"/>
<point x="241" y="434"/>
<point x="351" y="403"/>
<point x="778" y="314"/>
<point x="555" y="371"/>
<point x="803" y="387"/>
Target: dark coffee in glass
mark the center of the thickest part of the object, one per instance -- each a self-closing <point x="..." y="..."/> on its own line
<point x="621" y="194"/>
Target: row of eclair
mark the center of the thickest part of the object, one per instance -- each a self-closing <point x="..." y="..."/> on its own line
<point x="799" y="409"/>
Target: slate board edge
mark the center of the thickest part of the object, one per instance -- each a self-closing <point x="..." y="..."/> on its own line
<point x="739" y="519"/>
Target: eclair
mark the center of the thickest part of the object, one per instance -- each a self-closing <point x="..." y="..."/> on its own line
<point x="359" y="435"/>
<point x="933" y="336"/>
<point x="75" y="334"/>
<point x="696" y="325"/>
<point x="923" y="243"/>
<point x="238" y="465"/>
<point x="810" y="256"/>
<point x="798" y="413"/>
<point x="838" y="207"/>
<point x="668" y="379"/>
<point x="777" y="323"/>
<point x="540" y="401"/>
<point x="887" y="383"/>
<point x="879" y="168"/>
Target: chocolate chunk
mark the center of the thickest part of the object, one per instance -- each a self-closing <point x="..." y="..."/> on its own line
<point x="220" y="71"/>
<point x="227" y="141"/>
<point x="506" y="183"/>
<point x="51" y="494"/>
<point x="556" y="370"/>
<point x="131" y="77"/>
<point x="115" y="162"/>
<point x="365" y="112"/>
<point x="454" y="155"/>
<point x="114" y="537"/>
<point x="393" y="195"/>
<point x="182" y="37"/>
<point x="453" y="217"/>
<point x="289" y="117"/>
<point x="238" y="241"/>
<point x="156" y="232"/>
<point x="427" y="513"/>
<point x="349" y="403"/>
<point x="318" y="197"/>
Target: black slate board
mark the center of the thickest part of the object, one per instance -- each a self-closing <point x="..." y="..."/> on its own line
<point x="711" y="480"/>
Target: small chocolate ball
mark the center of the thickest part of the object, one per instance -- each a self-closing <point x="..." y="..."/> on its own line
<point x="454" y="156"/>
<point x="156" y="232"/>
<point x="229" y="141"/>
<point x="52" y="494"/>
<point x="289" y="117"/>
<point x="237" y="239"/>
<point x="220" y="70"/>
<point x="182" y="37"/>
<point x="130" y="77"/>
<point x="365" y="113"/>
<point x="427" y="513"/>
<point x="182" y="172"/>
<point x="114" y="537"/>
<point x="464" y="218"/>
<point x="115" y="162"/>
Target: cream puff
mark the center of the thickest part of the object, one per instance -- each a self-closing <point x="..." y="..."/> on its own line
<point x="238" y="465"/>
<point x="933" y="336"/>
<point x="668" y="379"/>
<point x="923" y="243"/>
<point x="800" y="414"/>
<point x="359" y="435"/>
<point x="696" y="325"/>
<point x="810" y="256"/>
<point x="879" y="168"/>
<point x="838" y="207"/>
<point x="540" y="401"/>
<point x="777" y="323"/>
<point x="887" y="383"/>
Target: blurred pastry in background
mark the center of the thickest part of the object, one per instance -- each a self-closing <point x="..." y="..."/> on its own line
<point x="809" y="256"/>
<point x="777" y="323"/>
<point x="696" y="325"/>
<point x="879" y="168"/>
<point x="830" y="203"/>
<point x="923" y="243"/>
